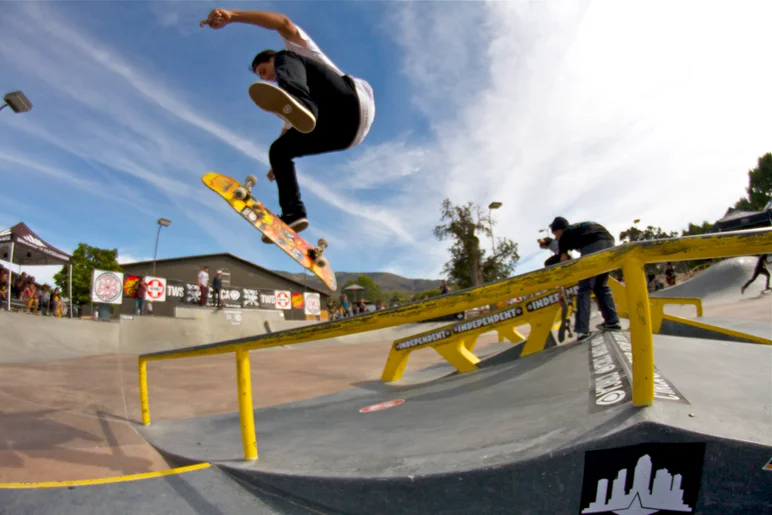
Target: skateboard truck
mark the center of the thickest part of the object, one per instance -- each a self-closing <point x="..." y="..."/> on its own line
<point x="245" y="192"/>
<point x="316" y="254"/>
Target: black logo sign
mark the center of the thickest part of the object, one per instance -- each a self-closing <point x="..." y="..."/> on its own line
<point x="267" y="299"/>
<point x="250" y="298"/>
<point x="174" y="291"/>
<point x="609" y="384"/>
<point x="661" y="478"/>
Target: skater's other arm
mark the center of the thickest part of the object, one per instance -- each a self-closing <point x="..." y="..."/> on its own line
<point x="272" y="21"/>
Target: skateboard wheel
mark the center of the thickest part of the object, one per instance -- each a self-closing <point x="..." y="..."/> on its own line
<point x="240" y="193"/>
<point x="322" y="243"/>
<point x="250" y="181"/>
<point x="322" y="262"/>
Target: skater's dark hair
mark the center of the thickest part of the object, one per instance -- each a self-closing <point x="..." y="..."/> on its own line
<point x="262" y="57"/>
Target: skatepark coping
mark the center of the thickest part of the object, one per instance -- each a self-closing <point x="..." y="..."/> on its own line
<point x="630" y="257"/>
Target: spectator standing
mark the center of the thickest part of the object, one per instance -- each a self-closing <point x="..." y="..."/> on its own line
<point x="216" y="288"/>
<point x="56" y="303"/>
<point x="203" y="285"/>
<point x="587" y="238"/>
<point x="670" y="274"/>
<point x="346" y="305"/>
<point x="4" y="289"/>
<point x="139" y="300"/>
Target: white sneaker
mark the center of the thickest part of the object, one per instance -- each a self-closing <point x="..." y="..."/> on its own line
<point x="277" y="101"/>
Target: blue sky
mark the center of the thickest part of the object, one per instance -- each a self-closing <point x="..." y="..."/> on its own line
<point x="609" y="111"/>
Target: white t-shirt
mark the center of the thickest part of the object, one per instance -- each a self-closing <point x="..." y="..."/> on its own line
<point x="363" y="88"/>
<point x="203" y="278"/>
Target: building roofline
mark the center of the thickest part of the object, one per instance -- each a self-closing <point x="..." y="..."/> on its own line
<point x="229" y="255"/>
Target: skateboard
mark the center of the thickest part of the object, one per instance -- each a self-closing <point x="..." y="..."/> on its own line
<point x="565" y="322"/>
<point x="277" y="101"/>
<point x="261" y="218"/>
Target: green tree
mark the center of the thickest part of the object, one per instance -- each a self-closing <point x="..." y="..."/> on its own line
<point x="433" y="292"/>
<point x="694" y="229"/>
<point x="759" y="188"/>
<point x="372" y="291"/>
<point x="84" y="260"/>
<point x="468" y="265"/>
<point x="650" y="233"/>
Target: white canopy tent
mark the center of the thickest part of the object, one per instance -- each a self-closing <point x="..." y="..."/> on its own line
<point x="20" y="246"/>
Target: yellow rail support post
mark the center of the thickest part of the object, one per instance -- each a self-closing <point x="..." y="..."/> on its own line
<point x="541" y="327"/>
<point x="640" y="331"/>
<point x="246" y="410"/>
<point x="143" y="395"/>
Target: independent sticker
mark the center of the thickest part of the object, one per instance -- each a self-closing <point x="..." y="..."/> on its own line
<point x="768" y="466"/>
<point x="382" y="406"/>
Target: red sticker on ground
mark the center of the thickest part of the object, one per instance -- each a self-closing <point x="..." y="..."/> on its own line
<point x="382" y="406"/>
<point x="768" y="466"/>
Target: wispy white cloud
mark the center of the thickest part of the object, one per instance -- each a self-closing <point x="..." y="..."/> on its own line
<point x="593" y="110"/>
<point x="157" y="93"/>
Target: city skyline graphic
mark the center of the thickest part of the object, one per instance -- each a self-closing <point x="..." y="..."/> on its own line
<point x="644" y="497"/>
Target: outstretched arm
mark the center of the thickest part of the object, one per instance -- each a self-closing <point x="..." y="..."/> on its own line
<point x="219" y="18"/>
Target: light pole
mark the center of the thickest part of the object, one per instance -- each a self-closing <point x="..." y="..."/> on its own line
<point x="491" y="207"/>
<point x="17" y="102"/>
<point x="162" y="222"/>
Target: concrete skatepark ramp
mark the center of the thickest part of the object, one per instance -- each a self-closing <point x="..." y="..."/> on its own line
<point x="502" y="439"/>
<point x="717" y="287"/>
<point x="720" y="283"/>
<point x="551" y="432"/>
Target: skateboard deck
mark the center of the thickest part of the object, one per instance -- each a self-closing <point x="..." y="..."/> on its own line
<point x="261" y="218"/>
<point x="275" y="100"/>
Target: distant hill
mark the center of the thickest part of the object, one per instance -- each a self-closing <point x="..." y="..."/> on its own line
<point x="388" y="282"/>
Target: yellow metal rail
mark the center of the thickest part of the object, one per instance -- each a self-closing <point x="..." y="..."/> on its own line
<point x="456" y="342"/>
<point x="629" y="257"/>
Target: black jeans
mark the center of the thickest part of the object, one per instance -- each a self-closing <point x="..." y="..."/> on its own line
<point x="599" y="286"/>
<point x="335" y="105"/>
<point x="760" y="270"/>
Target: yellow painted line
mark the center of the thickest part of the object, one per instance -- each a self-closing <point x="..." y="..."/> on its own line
<point x="107" y="480"/>
<point x="718" y="329"/>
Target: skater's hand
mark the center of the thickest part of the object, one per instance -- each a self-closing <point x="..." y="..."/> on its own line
<point x="217" y="19"/>
<point x="271" y="176"/>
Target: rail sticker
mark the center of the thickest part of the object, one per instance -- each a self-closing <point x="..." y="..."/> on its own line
<point x="610" y="385"/>
<point x="382" y="406"/>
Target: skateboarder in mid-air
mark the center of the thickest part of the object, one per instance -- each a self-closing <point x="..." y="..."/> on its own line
<point x="324" y="110"/>
<point x="761" y="269"/>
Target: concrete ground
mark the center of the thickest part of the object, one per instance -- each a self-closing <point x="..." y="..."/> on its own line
<point x="70" y="418"/>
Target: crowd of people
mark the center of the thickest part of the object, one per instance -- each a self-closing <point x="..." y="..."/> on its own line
<point x="345" y="308"/>
<point x="27" y="295"/>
